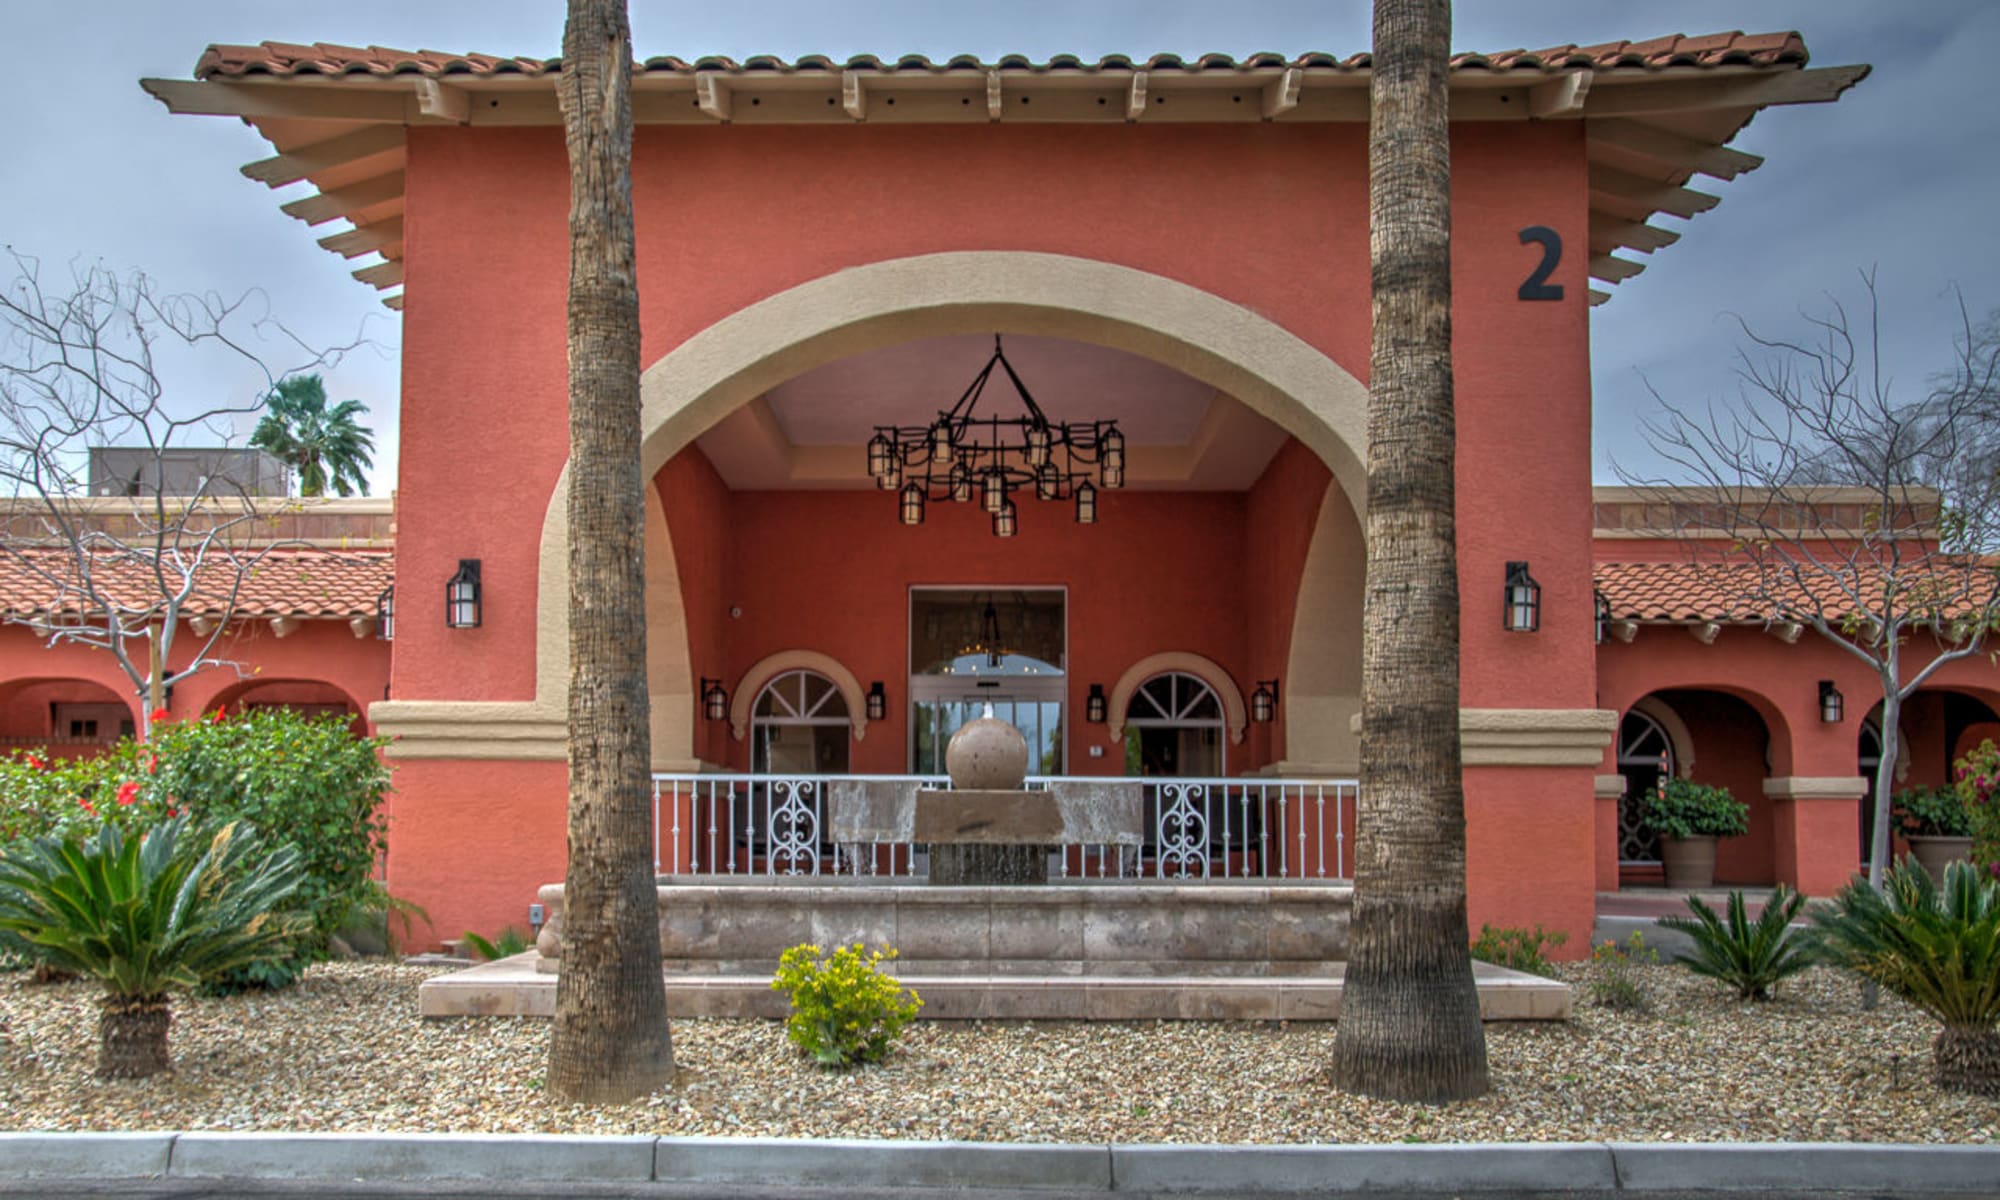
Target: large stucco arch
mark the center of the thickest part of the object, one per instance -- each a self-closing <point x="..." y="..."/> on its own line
<point x="1322" y="681"/>
<point x="748" y="352"/>
<point x="740" y="357"/>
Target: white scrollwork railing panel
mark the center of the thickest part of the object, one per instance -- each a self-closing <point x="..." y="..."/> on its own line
<point x="791" y="823"/>
<point x="1183" y="829"/>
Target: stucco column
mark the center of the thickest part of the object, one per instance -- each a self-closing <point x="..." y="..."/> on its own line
<point x="1814" y="825"/>
<point x="1610" y="789"/>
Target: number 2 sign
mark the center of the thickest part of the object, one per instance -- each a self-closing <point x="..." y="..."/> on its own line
<point x="1537" y="286"/>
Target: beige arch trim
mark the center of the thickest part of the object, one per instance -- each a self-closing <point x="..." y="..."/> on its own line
<point x="745" y="354"/>
<point x="1676" y="729"/>
<point x="1210" y="672"/>
<point x="758" y="677"/>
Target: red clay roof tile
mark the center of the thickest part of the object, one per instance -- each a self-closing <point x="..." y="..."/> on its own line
<point x="286" y="583"/>
<point x="1689" y="591"/>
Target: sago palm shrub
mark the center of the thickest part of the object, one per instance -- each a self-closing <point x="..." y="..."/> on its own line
<point x="1750" y="956"/>
<point x="1936" y="947"/>
<point x="146" y="916"/>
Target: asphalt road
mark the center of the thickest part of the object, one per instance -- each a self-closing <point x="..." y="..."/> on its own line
<point x="268" y="1190"/>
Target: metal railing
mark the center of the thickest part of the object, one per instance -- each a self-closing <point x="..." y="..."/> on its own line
<point x="777" y="824"/>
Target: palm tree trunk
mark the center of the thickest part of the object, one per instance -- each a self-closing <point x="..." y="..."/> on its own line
<point x="132" y="1036"/>
<point x="610" y="1041"/>
<point x="1966" y="1058"/>
<point x="1409" y="1015"/>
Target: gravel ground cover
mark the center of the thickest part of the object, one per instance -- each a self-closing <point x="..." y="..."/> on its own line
<point x="345" y="1051"/>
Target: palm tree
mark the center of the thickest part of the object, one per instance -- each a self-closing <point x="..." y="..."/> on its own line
<point x="147" y="916"/>
<point x="610" y="1041"/>
<point x="1409" y="1015"/>
<point x="327" y="447"/>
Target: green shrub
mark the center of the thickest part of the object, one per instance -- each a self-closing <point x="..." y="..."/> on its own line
<point x="505" y="944"/>
<point x="1750" y="956"/>
<point x="1517" y="949"/>
<point x="1682" y="808"/>
<point x="1616" y="985"/>
<point x="1977" y="777"/>
<point x="1931" y="812"/>
<point x="844" y="1009"/>
<point x="1936" y="947"/>
<point x="303" y="782"/>
<point x="145" y="915"/>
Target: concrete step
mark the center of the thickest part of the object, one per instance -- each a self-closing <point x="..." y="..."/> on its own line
<point x="513" y="987"/>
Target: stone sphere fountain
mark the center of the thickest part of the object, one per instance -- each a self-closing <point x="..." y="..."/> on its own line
<point x="989" y="829"/>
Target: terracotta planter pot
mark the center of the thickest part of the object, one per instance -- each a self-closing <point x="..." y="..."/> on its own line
<point x="1689" y="863"/>
<point x="1935" y="852"/>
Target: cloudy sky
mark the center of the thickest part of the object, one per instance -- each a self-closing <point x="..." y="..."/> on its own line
<point x="1899" y="176"/>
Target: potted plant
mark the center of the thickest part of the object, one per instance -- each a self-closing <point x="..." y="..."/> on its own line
<point x="1936" y="824"/>
<point x="1688" y="817"/>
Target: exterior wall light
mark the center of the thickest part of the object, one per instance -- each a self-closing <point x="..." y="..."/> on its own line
<point x="878" y="701"/>
<point x="913" y="504"/>
<point x="714" y="700"/>
<point x="1522" y="600"/>
<point x="385" y="614"/>
<point x="462" y="596"/>
<point x="1094" y="707"/>
<point x="1264" y="702"/>
<point x="1603" y="611"/>
<point x="1086" y="503"/>
<point x="1832" y="705"/>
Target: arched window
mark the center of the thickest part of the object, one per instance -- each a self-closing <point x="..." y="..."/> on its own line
<point x="1174" y="726"/>
<point x="799" y="725"/>
<point x="1645" y="757"/>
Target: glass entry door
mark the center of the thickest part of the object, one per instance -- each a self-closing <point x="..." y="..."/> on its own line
<point x="970" y="648"/>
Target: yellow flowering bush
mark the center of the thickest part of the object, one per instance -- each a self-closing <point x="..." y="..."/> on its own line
<point x="844" y="1009"/>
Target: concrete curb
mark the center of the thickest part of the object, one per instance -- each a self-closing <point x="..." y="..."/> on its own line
<point x="848" y="1166"/>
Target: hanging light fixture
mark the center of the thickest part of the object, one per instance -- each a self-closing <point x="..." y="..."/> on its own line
<point x="714" y="700"/>
<point x="913" y="504"/>
<point x="1264" y="702"/>
<point x="462" y="596"/>
<point x="1832" y="705"/>
<point x="1522" y="600"/>
<point x="962" y="451"/>
<point x="385" y="614"/>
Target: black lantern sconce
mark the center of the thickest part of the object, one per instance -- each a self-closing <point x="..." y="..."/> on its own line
<point x="714" y="700"/>
<point x="1832" y="705"/>
<point x="462" y="596"/>
<point x="1264" y="702"/>
<point x="1522" y="600"/>
<point x="385" y="614"/>
<point x="878" y="701"/>
<point x="1094" y="706"/>
<point x="1602" y="609"/>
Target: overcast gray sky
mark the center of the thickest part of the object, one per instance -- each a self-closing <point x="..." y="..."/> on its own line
<point x="1900" y="175"/>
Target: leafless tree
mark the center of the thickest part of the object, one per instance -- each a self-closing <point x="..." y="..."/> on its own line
<point x="1863" y="515"/>
<point x="85" y="366"/>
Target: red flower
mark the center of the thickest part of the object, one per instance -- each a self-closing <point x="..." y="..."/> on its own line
<point x="173" y="812"/>
<point x="217" y="718"/>
<point x="87" y="805"/>
<point x="36" y="763"/>
<point x="158" y="714"/>
<point x="152" y="763"/>
<point x="128" y="792"/>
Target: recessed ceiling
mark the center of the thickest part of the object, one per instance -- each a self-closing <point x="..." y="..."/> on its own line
<point x="840" y="403"/>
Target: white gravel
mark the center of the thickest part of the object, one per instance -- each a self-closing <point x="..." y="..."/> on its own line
<point x="346" y="1051"/>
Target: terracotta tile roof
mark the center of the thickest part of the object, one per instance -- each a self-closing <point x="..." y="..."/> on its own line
<point x="292" y="59"/>
<point x="286" y="583"/>
<point x="1688" y="592"/>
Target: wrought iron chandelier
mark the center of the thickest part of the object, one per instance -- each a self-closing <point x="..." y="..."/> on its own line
<point x="963" y="455"/>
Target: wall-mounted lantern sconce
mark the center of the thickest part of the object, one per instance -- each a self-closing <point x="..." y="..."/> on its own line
<point x="1832" y="705"/>
<point x="1603" y="612"/>
<point x="714" y="700"/>
<point x="878" y="701"/>
<point x="385" y="614"/>
<point x="1522" y="598"/>
<point x="1264" y="702"/>
<point x="462" y="596"/>
<point x="1095" y="708"/>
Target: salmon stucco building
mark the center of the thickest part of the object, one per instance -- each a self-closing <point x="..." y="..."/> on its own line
<point x="1039" y="385"/>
